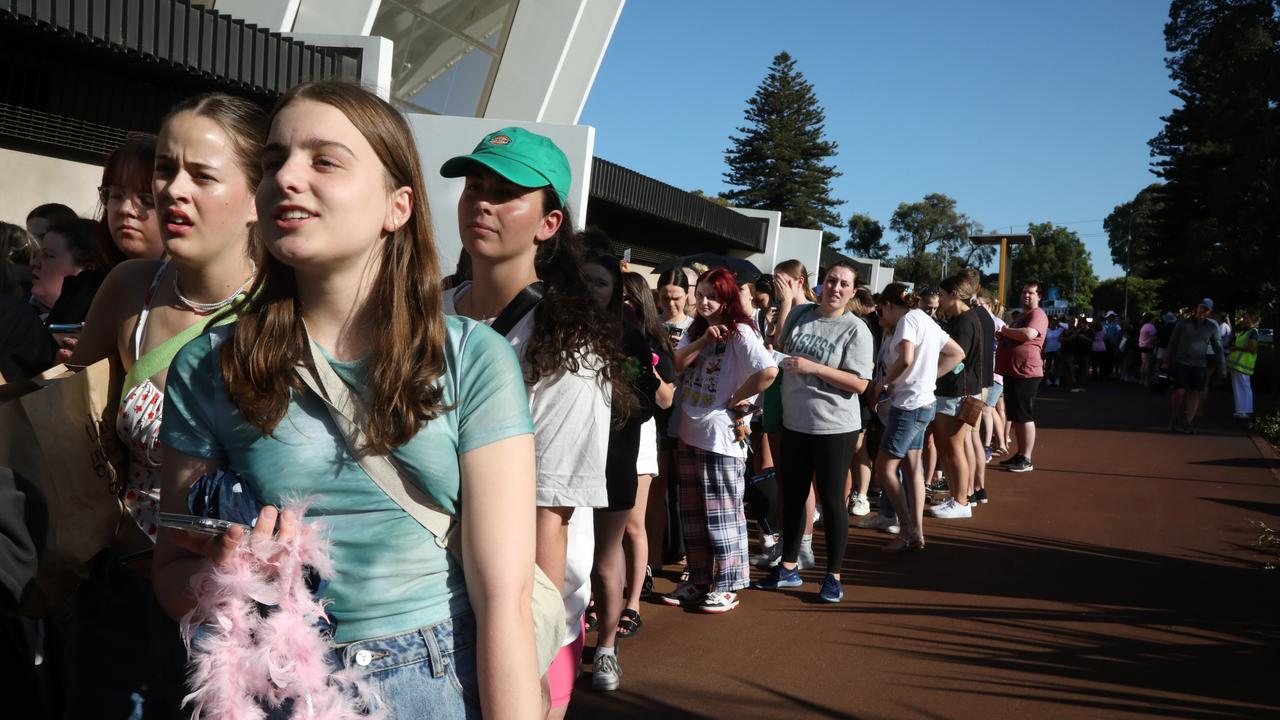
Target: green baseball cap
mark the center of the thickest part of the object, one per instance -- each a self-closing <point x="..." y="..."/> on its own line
<point x="522" y="157"/>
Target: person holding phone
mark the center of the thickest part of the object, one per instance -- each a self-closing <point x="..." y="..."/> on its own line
<point x="828" y="365"/>
<point x="725" y="367"/>
<point x="207" y="170"/>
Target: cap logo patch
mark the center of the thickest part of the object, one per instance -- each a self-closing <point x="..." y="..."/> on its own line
<point x="500" y="140"/>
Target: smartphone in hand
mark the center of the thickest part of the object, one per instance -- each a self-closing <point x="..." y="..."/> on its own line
<point x="196" y="523"/>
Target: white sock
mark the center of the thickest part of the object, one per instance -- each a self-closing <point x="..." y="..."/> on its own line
<point x="806" y="541"/>
<point x="607" y="651"/>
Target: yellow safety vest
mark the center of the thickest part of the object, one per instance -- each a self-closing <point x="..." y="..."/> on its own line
<point x="1240" y="359"/>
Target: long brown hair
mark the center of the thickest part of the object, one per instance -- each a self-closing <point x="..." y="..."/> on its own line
<point x="404" y="303"/>
<point x="568" y="325"/>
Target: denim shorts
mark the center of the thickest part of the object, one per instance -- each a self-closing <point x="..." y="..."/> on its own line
<point x="428" y="672"/>
<point x="993" y="394"/>
<point x="905" y="429"/>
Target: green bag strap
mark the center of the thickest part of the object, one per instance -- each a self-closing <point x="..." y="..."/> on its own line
<point x="158" y="358"/>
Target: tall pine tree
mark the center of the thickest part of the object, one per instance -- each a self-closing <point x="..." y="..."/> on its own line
<point x="1219" y="154"/>
<point x="779" y="160"/>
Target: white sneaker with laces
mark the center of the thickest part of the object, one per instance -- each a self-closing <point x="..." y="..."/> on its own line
<point x="770" y="557"/>
<point x="880" y="522"/>
<point x="719" y="602"/>
<point x="859" y="506"/>
<point x="686" y="593"/>
<point x="605" y="673"/>
<point x="952" y="510"/>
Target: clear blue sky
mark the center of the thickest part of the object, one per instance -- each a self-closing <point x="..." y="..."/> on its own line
<point x="1021" y="110"/>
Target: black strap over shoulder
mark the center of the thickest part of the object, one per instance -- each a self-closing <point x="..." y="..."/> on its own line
<point x="519" y="306"/>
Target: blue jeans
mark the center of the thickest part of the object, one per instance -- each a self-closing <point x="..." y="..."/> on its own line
<point x="905" y="429"/>
<point x="426" y="673"/>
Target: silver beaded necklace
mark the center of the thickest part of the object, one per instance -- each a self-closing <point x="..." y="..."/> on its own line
<point x="206" y="308"/>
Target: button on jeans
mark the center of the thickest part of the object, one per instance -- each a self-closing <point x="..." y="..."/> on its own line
<point x="426" y="673"/>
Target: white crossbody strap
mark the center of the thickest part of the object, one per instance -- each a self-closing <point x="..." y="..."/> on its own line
<point x="346" y="408"/>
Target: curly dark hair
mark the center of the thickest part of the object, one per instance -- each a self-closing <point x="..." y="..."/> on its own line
<point x="568" y="325"/>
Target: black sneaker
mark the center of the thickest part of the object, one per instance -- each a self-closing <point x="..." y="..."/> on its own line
<point x="1024" y="465"/>
<point x="1012" y="460"/>
<point x="979" y="496"/>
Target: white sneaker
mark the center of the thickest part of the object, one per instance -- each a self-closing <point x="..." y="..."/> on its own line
<point x="770" y="557"/>
<point x="817" y="516"/>
<point x="806" y="561"/>
<point x="605" y="673"/>
<point x="951" y="510"/>
<point x="940" y="505"/>
<point x="859" y="506"/>
<point x="718" y="602"/>
<point x="879" y="522"/>
<point x="684" y="594"/>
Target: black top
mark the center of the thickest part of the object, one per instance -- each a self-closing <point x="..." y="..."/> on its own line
<point x="77" y="295"/>
<point x="624" y="442"/>
<point x="966" y="330"/>
<point x="26" y="347"/>
<point x="989" y="348"/>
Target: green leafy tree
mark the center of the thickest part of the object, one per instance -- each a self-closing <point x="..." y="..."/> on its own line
<point x="926" y="266"/>
<point x="780" y="159"/>
<point x="1219" y="153"/>
<point x="1058" y="258"/>
<point x="934" y="225"/>
<point x="1144" y="295"/>
<point x="866" y="236"/>
<point x="1138" y="222"/>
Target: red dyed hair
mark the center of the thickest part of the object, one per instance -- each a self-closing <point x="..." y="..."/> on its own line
<point x="731" y="312"/>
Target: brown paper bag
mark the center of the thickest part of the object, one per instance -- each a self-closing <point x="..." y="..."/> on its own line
<point x="59" y="431"/>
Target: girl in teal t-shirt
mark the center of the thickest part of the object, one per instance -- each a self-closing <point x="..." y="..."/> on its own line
<point x="349" y="264"/>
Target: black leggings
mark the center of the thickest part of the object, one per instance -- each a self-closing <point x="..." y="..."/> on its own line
<point x="826" y="459"/>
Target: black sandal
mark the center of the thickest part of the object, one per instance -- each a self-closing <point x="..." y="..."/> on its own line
<point x="591" y="619"/>
<point x="629" y="624"/>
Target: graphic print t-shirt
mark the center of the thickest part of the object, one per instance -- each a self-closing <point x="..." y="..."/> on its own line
<point x="708" y="384"/>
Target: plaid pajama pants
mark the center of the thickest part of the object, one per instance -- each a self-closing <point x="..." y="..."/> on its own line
<point x="711" y="518"/>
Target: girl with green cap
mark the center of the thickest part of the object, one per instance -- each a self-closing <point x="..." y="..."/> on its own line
<point x="526" y="268"/>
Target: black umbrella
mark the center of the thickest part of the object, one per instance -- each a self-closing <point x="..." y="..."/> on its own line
<point x="743" y="270"/>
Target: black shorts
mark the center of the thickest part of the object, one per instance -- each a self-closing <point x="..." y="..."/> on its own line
<point x="1187" y="377"/>
<point x="1020" y="398"/>
<point x="1146" y="350"/>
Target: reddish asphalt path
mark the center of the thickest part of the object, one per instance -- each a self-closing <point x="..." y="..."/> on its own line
<point x="1118" y="580"/>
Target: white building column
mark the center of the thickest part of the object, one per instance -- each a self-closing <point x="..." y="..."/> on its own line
<point x="551" y="58"/>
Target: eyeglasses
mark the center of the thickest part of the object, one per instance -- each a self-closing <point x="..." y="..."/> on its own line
<point x="108" y="195"/>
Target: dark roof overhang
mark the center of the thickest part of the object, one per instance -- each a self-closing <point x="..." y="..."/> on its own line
<point x="76" y="76"/>
<point x="703" y="223"/>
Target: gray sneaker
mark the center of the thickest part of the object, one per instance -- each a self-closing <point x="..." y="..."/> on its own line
<point x="605" y="673"/>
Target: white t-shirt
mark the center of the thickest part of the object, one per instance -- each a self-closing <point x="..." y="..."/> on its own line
<point x="1000" y="325"/>
<point x="710" y="381"/>
<point x="914" y="388"/>
<point x="579" y="560"/>
<point x="571" y="424"/>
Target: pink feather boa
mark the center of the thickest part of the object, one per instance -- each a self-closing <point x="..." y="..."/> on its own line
<point x="243" y="665"/>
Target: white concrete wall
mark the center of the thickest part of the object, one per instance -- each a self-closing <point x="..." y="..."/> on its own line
<point x="46" y="180"/>
<point x="441" y="137"/>
<point x="799" y="244"/>
<point x="336" y="17"/>
<point x="784" y="243"/>
<point x="375" y="65"/>
<point x="551" y="58"/>
<point x="277" y="15"/>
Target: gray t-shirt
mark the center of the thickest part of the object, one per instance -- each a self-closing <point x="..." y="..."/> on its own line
<point x="811" y="405"/>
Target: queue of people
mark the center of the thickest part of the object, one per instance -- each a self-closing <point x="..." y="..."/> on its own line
<point x="538" y="421"/>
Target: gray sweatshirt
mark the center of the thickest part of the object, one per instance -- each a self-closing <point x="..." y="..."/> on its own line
<point x="1193" y="340"/>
